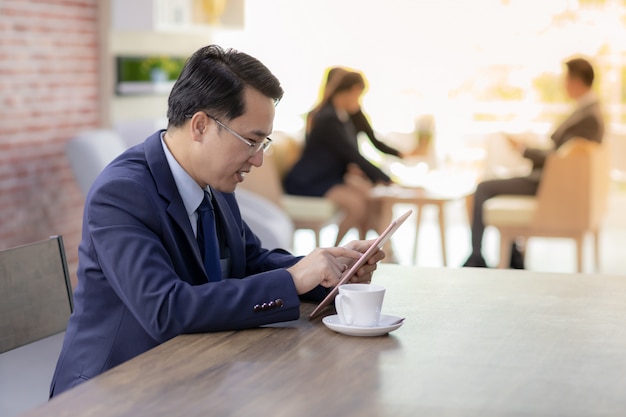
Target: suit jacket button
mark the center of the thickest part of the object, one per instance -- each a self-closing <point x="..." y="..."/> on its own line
<point x="279" y="303"/>
<point x="257" y="308"/>
<point x="271" y="305"/>
<point x="265" y="307"/>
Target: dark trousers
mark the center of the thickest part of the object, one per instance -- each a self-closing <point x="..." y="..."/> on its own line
<point x="489" y="189"/>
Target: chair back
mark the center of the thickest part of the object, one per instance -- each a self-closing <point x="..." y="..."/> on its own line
<point x="267" y="180"/>
<point x="573" y="192"/>
<point x="286" y="150"/>
<point x="268" y="221"/>
<point x="264" y="181"/>
<point x="35" y="292"/>
<point x="90" y="152"/>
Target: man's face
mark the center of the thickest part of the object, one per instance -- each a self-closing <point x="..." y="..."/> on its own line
<point x="574" y="87"/>
<point x="221" y="160"/>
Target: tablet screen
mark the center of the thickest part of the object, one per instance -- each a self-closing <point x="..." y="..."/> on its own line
<point x="377" y="244"/>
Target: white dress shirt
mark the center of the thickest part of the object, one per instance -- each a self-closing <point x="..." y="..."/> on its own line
<point x="188" y="188"/>
<point x="192" y="195"/>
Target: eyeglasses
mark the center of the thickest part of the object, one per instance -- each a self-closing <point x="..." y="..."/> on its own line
<point x="255" y="147"/>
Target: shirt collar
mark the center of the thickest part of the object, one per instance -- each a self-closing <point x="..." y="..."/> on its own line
<point x="188" y="188"/>
<point x="586" y="99"/>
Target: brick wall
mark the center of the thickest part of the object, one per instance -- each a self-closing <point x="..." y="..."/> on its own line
<point x="48" y="93"/>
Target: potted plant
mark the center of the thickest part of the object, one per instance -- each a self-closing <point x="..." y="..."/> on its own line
<point x="160" y="69"/>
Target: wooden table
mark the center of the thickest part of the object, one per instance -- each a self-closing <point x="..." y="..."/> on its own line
<point x="419" y="197"/>
<point x="475" y="343"/>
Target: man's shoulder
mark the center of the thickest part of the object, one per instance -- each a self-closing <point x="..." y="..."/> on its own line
<point x="591" y="117"/>
<point x="131" y="169"/>
<point x="125" y="186"/>
<point x="591" y="111"/>
<point x="134" y="163"/>
<point x="131" y="164"/>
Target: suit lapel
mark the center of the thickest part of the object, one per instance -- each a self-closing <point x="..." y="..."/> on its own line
<point x="160" y="169"/>
<point x="234" y="239"/>
<point x="578" y="114"/>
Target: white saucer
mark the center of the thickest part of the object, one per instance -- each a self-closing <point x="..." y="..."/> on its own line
<point x="384" y="326"/>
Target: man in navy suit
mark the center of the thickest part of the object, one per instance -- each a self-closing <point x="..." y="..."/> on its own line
<point x="586" y="121"/>
<point x="142" y="276"/>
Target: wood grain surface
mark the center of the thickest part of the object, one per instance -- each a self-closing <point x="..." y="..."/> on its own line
<point x="475" y="343"/>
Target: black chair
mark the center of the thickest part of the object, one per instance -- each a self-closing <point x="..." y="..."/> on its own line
<point x="35" y="292"/>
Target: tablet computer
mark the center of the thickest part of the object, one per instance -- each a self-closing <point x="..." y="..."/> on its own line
<point x="377" y="244"/>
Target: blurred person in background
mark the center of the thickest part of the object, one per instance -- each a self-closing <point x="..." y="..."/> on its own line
<point x="359" y="119"/>
<point x="585" y="121"/>
<point x="331" y="165"/>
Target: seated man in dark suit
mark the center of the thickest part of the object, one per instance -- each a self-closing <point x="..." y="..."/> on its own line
<point x="164" y="250"/>
<point x="585" y="122"/>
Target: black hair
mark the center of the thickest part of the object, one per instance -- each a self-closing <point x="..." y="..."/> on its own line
<point x="580" y="68"/>
<point x="347" y="82"/>
<point x="214" y="79"/>
<point x="337" y="81"/>
<point x="332" y="72"/>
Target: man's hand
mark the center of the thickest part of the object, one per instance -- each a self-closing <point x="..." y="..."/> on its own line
<point x="323" y="266"/>
<point x="364" y="274"/>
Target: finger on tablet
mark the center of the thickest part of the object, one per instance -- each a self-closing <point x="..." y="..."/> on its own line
<point x="376" y="257"/>
<point x="339" y="251"/>
<point x="360" y="245"/>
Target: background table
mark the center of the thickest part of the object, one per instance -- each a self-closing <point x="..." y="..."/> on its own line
<point x="418" y="197"/>
<point x="475" y="343"/>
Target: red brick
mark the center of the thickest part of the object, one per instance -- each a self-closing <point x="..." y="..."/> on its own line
<point x="48" y="93"/>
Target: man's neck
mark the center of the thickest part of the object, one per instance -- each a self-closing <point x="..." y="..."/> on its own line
<point x="173" y="140"/>
<point x="587" y="97"/>
<point x="177" y="144"/>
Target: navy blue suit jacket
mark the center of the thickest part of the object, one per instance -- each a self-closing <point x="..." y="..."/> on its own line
<point x="141" y="280"/>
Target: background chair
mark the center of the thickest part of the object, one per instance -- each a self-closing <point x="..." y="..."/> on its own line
<point x="570" y="201"/>
<point x="35" y="304"/>
<point x="91" y="151"/>
<point x="312" y="213"/>
<point x="268" y="221"/>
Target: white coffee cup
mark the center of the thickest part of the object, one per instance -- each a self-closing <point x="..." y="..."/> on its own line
<point x="360" y="304"/>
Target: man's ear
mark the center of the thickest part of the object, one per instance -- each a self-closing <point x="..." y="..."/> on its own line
<point x="198" y="125"/>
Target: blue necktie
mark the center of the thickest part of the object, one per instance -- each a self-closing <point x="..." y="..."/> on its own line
<point x="207" y="240"/>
